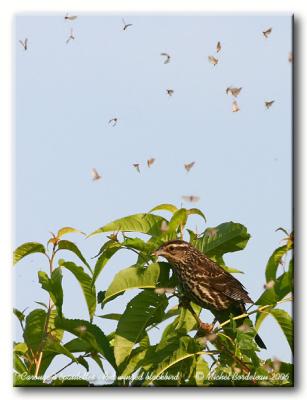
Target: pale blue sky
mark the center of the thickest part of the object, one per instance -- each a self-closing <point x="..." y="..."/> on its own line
<point x="66" y="93"/>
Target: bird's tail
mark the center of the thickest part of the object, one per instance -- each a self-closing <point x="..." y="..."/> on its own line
<point x="260" y="342"/>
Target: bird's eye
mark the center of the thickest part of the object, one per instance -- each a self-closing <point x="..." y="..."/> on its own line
<point x="171" y="248"/>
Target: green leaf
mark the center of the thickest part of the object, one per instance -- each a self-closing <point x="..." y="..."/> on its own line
<point x="21" y="347"/>
<point x="40" y="303"/>
<point x="19" y="314"/>
<point x="201" y="371"/>
<point x="178" y="220"/>
<point x="143" y="310"/>
<point x="70" y="246"/>
<point x="26" y="249"/>
<point x="34" y="329"/>
<point x="18" y="364"/>
<point x="85" y="281"/>
<point x="285" y="322"/>
<point x="53" y="346"/>
<point x="186" y="320"/>
<point x="66" y="230"/>
<point x="168" y="354"/>
<point x="78" y="345"/>
<point x="268" y="297"/>
<point x="165" y="207"/>
<point x="112" y="316"/>
<point x="90" y="333"/>
<point x="224" y="238"/>
<point x="144" y="223"/>
<point x="53" y="286"/>
<point x="274" y="262"/>
<point x="104" y="257"/>
<point x="196" y="211"/>
<point x="137" y="277"/>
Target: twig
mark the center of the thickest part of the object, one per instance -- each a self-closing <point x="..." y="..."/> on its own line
<point x="244" y="315"/>
<point x="38" y="361"/>
<point x="62" y="369"/>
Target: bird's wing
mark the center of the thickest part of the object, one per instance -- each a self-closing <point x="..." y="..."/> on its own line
<point x="222" y="281"/>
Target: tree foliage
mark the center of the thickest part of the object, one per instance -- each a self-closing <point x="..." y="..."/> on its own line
<point x="182" y="356"/>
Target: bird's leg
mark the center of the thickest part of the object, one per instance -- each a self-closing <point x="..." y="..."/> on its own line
<point x="203" y="327"/>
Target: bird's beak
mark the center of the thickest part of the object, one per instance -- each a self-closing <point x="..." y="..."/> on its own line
<point x="157" y="253"/>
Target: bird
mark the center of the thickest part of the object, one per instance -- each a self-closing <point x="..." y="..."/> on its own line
<point x="137" y="167"/>
<point x="267" y="33"/>
<point x="233" y="91"/>
<point x="213" y="60"/>
<point x="205" y="283"/>
<point x="125" y="25"/>
<point x="191" y="198"/>
<point x="170" y="92"/>
<point x="235" y="106"/>
<point x="167" y="59"/>
<point x="113" y="121"/>
<point x="189" y="166"/>
<point x="70" y="17"/>
<point x="150" y="162"/>
<point x="95" y="175"/>
<point x="268" y="104"/>
<point x="218" y="47"/>
<point x="24" y="44"/>
<point x="70" y="37"/>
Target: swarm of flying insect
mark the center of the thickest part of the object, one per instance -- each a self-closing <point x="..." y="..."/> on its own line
<point x="125" y="25"/>
<point x="150" y="162"/>
<point x="70" y="37"/>
<point x="24" y="43"/>
<point x="188" y="166"/>
<point x="137" y="167"/>
<point x="267" y="33"/>
<point x="213" y="60"/>
<point x="235" y="106"/>
<point x="268" y="104"/>
<point x="191" y="199"/>
<point x="167" y="57"/>
<point x="95" y="175"/>
<point x="113" y="121"/>
<point x="233" y="91"/>
<point x="70" y="17"/>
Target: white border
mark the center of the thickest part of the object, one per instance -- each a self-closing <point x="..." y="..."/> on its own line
<point x="7" y="12"/>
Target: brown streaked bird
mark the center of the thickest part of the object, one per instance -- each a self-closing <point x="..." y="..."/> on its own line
<point x="213" y="60"/>
<point x="24" y="44"/>
<point x="70" y="17"/>
<point x="218" y="47"/>
<point x="170" y="92"/>
<point x="205" y="283"/>
<point x="126" y="26"/>
<point x="235" y="106"/>
<point x="267" y="33"/>
<point x="269" y="104"/>
<point x="189" y="166"/>
<point x="113" y="121"/>
<point x="137" y="167"/>
<point x="71" y="36"/>
<point x="150" y="162"/>
<point x="233" y="91"/>
<point x="191" y="199"/>
<point x="167" y="59"/>
<point x="95" y="175"/>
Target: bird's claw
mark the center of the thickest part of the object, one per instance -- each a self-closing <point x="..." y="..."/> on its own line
<point x="204" y="329"/>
